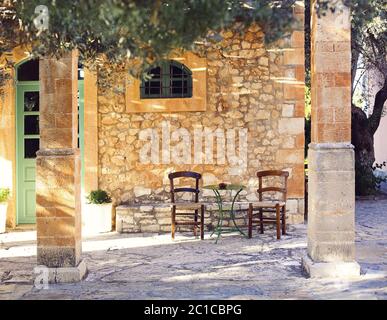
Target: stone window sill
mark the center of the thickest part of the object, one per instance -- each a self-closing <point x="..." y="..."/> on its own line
<point x="166" y="105"/>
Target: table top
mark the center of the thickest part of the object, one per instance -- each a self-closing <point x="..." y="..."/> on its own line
<point x="227" y="187"/>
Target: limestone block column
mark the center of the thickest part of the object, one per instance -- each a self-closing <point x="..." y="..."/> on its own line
<point x="58" y="171"/>
<point x="331" y="225"/>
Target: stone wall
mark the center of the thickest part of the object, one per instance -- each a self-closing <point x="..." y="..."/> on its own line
<point x="248" y="86"/>
<point x="157" y="218"/>
<point x="8" y="135"/>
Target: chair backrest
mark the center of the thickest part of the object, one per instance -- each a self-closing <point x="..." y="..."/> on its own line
<point x="270" y="174"/>
<point x="185" y="174"/>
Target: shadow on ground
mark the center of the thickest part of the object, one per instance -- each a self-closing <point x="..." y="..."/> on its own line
<point x="155" y="267"/>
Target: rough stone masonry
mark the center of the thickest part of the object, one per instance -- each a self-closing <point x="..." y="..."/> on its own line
<point x="249" y="86"/>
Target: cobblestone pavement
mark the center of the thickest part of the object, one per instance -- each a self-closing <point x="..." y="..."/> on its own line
<point x="154" y="267"/>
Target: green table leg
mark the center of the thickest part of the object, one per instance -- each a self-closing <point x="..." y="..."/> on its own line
<point x="219" y="203"/>
<point x="219" y="227"/>
<point x="232" y="213"/>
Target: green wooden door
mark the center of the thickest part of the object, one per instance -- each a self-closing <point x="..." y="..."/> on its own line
<point x="27" y="126"/>
<point x="27" y="115"/>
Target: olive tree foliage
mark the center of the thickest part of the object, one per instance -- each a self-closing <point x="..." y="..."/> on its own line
<point x="133" y="34"/>
<point x="369" y="46"/>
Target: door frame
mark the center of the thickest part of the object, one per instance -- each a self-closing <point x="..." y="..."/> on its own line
<point x="18" y="85"/>
<point x="19" y="137"/>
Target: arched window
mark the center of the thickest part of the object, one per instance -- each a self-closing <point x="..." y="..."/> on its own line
<point x="170" y="79"/>
<point x="28" y="71"/>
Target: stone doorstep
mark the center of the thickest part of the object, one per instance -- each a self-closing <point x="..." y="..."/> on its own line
<point x="330" y="269"/>
<point x="62" y="275"/>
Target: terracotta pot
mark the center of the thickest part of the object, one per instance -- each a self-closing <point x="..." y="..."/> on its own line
<point x="3" y="216"/>
<point x="96" y="218"/>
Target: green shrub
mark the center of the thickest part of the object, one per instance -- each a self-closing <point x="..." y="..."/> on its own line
<point x="379" y="178"/>
<point x="366" y="182"/>
<point x="4" y="194"/>
<point x="369" y="179"/>
<point x="98" y="197"/>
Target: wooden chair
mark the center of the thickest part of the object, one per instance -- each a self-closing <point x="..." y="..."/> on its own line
<point x="275" y="207"/>
<point x="194" y="206"/>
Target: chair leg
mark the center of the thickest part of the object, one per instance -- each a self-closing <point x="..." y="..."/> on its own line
<point x="278" y="220"/>
<point x="202" y="222"/>
<point x="284" y="220"/>
<point x="250" y="216"/>
<point x="196" y="223"/>
<point x="173" y="226"/>
<point x="261" y="220"/>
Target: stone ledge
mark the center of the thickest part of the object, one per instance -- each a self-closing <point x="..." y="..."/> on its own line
<point x="156" y="216"/>
<point x="62" y="275"/>
<point x="330" y="269"/>
<point x="211" y="205"/>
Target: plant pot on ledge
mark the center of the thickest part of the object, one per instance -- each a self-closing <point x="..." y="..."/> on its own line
<point x="4" y="197"/>
<point x="97" y="213"/>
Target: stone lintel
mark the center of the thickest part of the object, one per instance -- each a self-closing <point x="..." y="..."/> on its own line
<point x="330" y="269"/>
<point x="63" y="275"/>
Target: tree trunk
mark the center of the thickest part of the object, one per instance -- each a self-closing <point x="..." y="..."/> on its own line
<point x="363" y="141"/>
<point x="363" y="131"/>
<point x="354" y="62"/>
<point x="380" y="99"/>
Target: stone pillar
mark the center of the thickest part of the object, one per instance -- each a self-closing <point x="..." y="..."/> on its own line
<point x="58" y="171"/>
<point x="331" y="225"/>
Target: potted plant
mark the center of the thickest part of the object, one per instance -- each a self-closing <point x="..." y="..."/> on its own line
<point x="4" y="196"/>
<point x="97" y="216"/>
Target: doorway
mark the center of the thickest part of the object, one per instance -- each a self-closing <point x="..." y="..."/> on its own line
<point x="28" y="136"/>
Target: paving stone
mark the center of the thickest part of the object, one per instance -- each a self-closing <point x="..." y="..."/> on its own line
<point x="149" y="266"/>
